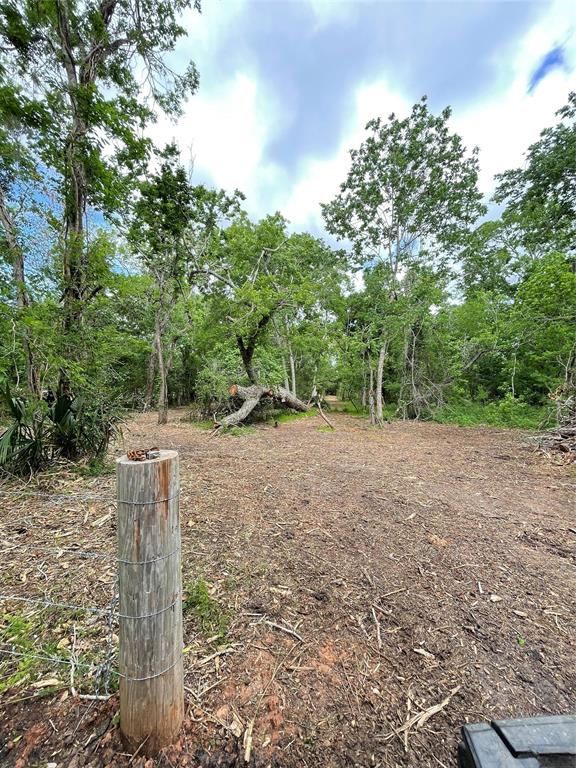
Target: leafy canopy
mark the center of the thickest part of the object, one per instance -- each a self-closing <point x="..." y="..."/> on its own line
<point x="541" y="197"/>
<point x="410" y="186"/>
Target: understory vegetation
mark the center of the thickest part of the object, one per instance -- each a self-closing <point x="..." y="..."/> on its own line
<point x="126" y="285"/>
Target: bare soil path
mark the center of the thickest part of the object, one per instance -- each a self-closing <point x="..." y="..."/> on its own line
<point x="368" y="575"/>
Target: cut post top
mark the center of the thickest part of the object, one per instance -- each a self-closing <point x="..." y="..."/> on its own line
<point x="164" y="456"/>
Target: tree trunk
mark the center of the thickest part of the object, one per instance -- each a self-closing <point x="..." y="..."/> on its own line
<point x="280" y="344"/>
<point x="292" y="370"/>
<point x="80" y="75"/>
<point x="163" y="374"/>
<point x="251" y="397"/>
<point x="22" y="298"/>
<point x="371" y="395"/>
<point x="379" y="381"/>
<point x="411" y="400"/>
<point x="247" y="353"/>
<point x="151" y="378"/>
<point x="286" y="397"/>
<point x="248" y="348"/>
<point x="74" y="255"/>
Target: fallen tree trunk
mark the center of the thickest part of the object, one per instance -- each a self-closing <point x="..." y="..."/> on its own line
<point x="252" y="396"/>
<point x="286" y="397"/>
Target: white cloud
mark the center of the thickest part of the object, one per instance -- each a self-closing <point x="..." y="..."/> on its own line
<point x="204" y="29"/>
<point x="226" y="132"/>
<point x="321" y="179"/>
<point x="229" y="129"/>
<point x="327" y="12"/>
<point x="504" y="127"/>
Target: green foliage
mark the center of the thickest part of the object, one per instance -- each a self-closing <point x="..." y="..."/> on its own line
<point x="214" y="379"/>
<point x="407" y="204"/>
<point x="540" y="197"/>
<point x="40" y="636"/>
<point x="24" y="443"/>
<point x="199" y="601"/>
<point x="68" y="428"/>
<point x="509" y="412"/>
<point x="73" y="114"/>
<point x="18" y="632"/>
<point x="410" y="186"/>
<point x="180" y="294"/>
<point x="260" y="278"/>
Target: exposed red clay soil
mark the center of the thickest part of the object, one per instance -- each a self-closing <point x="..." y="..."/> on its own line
<point x="368" y="575"/>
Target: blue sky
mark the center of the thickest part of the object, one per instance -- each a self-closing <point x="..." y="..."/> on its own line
<point x="288" y="85"/>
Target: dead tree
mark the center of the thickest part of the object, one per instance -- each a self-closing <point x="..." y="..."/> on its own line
<point x="252" y="396"/>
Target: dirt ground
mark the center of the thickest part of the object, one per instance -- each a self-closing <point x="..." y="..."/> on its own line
<point x="368" y="575"/>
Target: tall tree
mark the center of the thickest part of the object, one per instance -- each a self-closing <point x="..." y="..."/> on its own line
<point x="161" y="215"/>
<point x="79" y="64"/>
<point x="261" y="276"/>
<point x="173" y="224"/>
<point x="409" y="198"/>
<point x="17" y="171"/>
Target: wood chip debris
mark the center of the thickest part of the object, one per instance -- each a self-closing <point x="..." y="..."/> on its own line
<point x="418" y="720"/>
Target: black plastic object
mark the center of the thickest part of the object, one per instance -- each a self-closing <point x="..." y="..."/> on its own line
<point x="536" y="742"/>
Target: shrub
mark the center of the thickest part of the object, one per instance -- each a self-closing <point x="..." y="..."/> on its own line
<point x="508" y="412"/>
<point x="70" y="427"/>
<point x="513" y="410"/>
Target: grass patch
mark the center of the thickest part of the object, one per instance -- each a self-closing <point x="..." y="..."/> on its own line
<point x="510" y="412"/>
<point x="358" y="411"/>
<point x="96" y="467"/>
<point x="204" y="424"/>
<point x="200" y="602"/>
<point x="347" y="406"/>
<point x="31" y="638"/>
<point x="238" y="431"/>
<point x="286" y="416"/>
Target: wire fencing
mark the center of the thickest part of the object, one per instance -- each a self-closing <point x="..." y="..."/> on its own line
<point x="69" y="615"/>
<point x="43" y="626"/>
<point x="14" y="637"/>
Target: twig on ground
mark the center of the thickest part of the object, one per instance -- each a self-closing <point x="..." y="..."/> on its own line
<point x="247" y="743"/>
<point x="288" y="630"/>
<point x="420" y="718"/>
<point x="378" y="635"/>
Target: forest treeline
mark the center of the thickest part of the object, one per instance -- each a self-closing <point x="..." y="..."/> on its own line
<point x="126" y="285"/>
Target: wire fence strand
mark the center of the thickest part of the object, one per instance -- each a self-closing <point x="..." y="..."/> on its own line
<point x="57" y="551"/>
<point x="54" y="604"/>
<point x="88" y="665"/>
<point x="104" y="670"/>
<point x="59" y="496"/>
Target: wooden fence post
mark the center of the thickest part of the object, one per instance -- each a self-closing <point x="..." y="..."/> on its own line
<point x="150" y="611"/>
